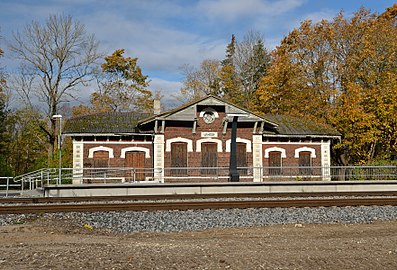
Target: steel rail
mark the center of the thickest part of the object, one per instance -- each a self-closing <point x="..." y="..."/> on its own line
<point x="36" y="200"/>
<point x="192" y="205"/>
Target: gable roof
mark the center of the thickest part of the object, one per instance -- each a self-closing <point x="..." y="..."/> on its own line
<point x="104" y="123"/>
<point x="294" y="126"/>
<point x="187" y="111"/>
<point x="117" y="123"/>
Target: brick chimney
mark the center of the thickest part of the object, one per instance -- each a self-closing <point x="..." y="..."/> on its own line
<point x="156" y="106"/>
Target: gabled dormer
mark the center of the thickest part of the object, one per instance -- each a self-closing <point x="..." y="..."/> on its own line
<point x="208" y="110"/>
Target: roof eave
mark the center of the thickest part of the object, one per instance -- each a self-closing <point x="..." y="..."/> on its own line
<point x="302" y="136"/>
<point x="164" y="115"/>
<point x="106" y="134"/>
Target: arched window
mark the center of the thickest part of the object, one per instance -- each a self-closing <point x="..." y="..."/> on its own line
<point x="305" y="155"/>
<point x="305" y="163"/>
<point x="100" y="164"/>
<point x="189" y="143"/>
<point x="275" y="155"/>
<point x="275" y="163"/>
<point x="101" y="159"/>
<point x="246" y="142"/>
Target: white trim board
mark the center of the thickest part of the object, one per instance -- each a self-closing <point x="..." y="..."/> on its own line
<point x="135" y="149"/>
<point x="179" y="139"/>
<point x="291" y="143"/>
<point x="113" y="142"/>
<point x="100" y="148"/>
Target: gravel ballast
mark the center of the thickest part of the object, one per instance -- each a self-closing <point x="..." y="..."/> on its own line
<point x="197" y="220"/>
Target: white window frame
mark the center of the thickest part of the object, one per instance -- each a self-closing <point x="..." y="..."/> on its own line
<point x="275" y="149"/>
<point x="179" y="139"/>
<point x="240" y="140"/>
<point x="100" y="148"/>
<point x="135" y="149"/>
<point x="305" y="149"/>
<point x="217" y="141"/>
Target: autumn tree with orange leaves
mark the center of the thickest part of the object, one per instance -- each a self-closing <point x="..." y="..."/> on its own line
<point x="121" y="87"/>
<point x="341" y="72"/>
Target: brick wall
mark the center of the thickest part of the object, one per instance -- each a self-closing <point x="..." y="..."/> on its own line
<point x="194" y="158"/>
<point x="117" y="161"/>
<point x="290" y="159"/>
<point x="184" y="130"/>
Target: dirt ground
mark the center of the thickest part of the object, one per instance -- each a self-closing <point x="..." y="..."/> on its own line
<point x="52" y="244"/>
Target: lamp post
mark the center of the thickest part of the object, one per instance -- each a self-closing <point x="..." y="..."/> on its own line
<point x="234" y="175"/>
<point x="58" y="116"/>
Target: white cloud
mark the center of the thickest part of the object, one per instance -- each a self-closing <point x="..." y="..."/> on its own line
<point x="158" y="48"/>
<point x="327" y="14"/>
<point x="272" y="43"/>
<point x="231" y="10"/>
<point x="164" y="35"/>
<point x="167" y="88"/>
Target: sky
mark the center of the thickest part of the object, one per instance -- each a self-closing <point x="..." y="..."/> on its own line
<point x="164" y="35"/>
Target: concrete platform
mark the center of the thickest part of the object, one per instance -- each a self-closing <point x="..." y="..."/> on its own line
<point x="125" y="189"/>
<point x="22" y="193"/>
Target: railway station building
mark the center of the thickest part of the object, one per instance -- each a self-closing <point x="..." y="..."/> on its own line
<point x="193" y="143"/>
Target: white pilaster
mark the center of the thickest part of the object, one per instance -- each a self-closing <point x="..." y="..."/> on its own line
<point x="326" y="160"/>
<point x="257" y="161"/>
<point x="158" y="158"/>
<point x="78" y="150"/>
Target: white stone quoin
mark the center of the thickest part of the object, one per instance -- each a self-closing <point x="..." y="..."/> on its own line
<point x="158" y="158"/>
<point x="326" y="160"/>
<point x="257" y="162"/>
<point x="78" y="148"/>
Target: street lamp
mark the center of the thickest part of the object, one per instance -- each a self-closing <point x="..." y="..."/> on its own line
<point x="58" y="116"/>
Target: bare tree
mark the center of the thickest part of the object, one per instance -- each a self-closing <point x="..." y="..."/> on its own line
<point x="56" y="57"/>
<point x="2" y="75"/>
<point x="251" y="60"/>
<point x="236" y="78"/>
<point x="201" y="81"/>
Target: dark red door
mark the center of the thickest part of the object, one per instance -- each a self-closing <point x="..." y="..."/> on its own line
<point x="241" y="151"/>
<point x="179" y="159"/>
<point x="101" y="162"/>
<point x="209" y="158"/>
<point x="135" y="161"/>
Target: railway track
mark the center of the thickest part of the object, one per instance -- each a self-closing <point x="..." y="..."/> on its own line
<point x="98" y="204"/>
<point x="37" y="200"/>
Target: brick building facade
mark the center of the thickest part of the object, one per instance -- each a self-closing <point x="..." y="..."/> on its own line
<point x="193" y="143"/>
